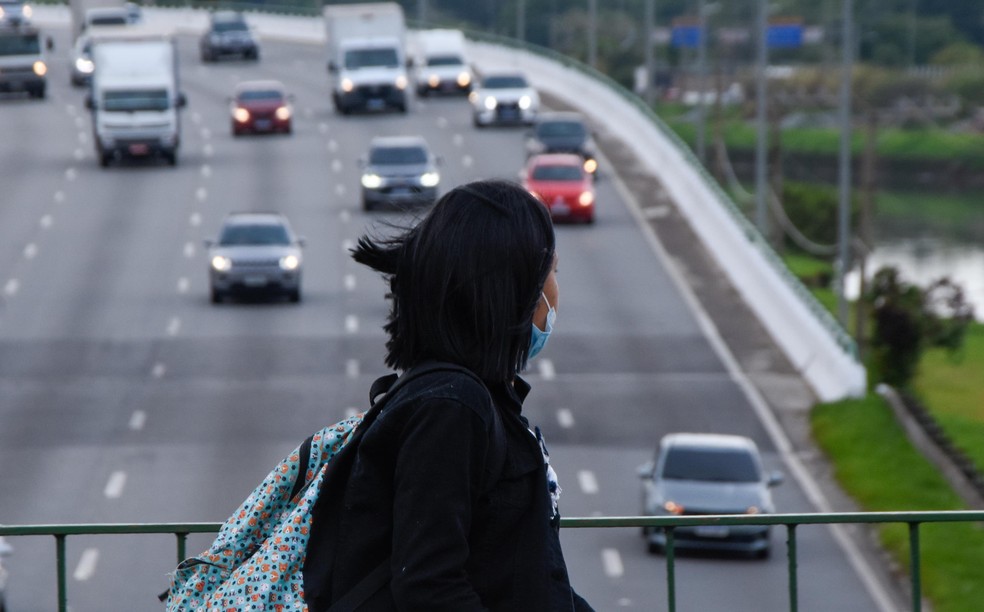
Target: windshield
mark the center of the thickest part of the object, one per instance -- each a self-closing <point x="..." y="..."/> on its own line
<point x="259" y="234"/>
<point x="557" y="173"/>
<point x="230" y="26"/>
<point x="386" y="156"/>
<point x="135" y="100"/>
<point x="261" y="94"/>
<point x="108" y="20"/>
<point x="560" y="129"/>
<point x="20" y="44"/>
<point x="713" y="465"/>
<point x="371" y="58"/>
<point x="444" y="60"/>
<point x="504" y="82"/>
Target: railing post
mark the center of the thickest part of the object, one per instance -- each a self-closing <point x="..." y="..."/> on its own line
<point x="915" y="567"/>
<point x="182" y="539"/>
<point x="791" y="556"/>
<point x="670" y="572"/>
<point x="62" y="578"/>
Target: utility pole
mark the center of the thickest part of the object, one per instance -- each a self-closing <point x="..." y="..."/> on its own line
<point x="762" y="63"/>
<point x="649" y="21"/>
<point x="593" y="33"/>
<point x="422" y="12"/>
<point x="521" y="20"/>
<point x="844" y="171"/>
<point x="701" y="77"/>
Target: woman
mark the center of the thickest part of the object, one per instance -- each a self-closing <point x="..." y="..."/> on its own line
<point x="451" y="490"/>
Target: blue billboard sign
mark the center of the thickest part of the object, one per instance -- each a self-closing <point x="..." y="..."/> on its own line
<point x="685" y="36"/>
<point x="784" y="36"/>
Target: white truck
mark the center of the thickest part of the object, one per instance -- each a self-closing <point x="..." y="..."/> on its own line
<point x="441" y="64"/>
<point x="134" y="96"/>
<point x="23" y="65"/>
<point x="95" y="12"/>
<point x="367" y="63"/>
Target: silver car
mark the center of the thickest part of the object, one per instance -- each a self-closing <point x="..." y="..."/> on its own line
<point x="399" y="171"/>
<point x="705" y="474"/>
<point x="505" y="98"/>
<point x="255" y="252"/>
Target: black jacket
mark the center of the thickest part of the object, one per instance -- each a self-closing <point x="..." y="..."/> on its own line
<point x="465" y="525"/>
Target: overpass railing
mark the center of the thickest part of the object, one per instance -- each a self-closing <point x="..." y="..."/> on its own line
<point x="914" y="520"/>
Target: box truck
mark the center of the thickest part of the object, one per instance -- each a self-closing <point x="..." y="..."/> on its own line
<point x="367" y="63"/>
<point x="134" y="96"/>
<point x="441" y="64"/>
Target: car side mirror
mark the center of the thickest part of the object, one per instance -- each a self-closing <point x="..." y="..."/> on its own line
<point x="89" y="102"/>
<point x="775" y="479"/>
<point x="291" y="98"/>
<point x="361" y="162"/>
<point x="439" y="160"/>
<point x="645" y="471"/>
<point x="208" y="243"/>
<point x="301" y="241"/>
<point x="49" y="43"/>
<point x="181" y="101"/>
<point x="332" y="67"/>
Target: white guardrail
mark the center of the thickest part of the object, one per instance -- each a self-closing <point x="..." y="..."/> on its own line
<point x="814" y="345"/>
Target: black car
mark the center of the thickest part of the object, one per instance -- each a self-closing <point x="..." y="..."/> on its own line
<point x="563" y="133"/>
<point x="228" y="34"/>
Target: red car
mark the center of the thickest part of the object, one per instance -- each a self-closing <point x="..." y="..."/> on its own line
<point x="261" y="106"/>
<point x="560" y="181"/>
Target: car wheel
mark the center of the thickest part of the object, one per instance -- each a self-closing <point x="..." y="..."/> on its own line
<point x="654" y="548"/>
<point x="171" y="157"/>
<point x="477" y="123"/>
<point x="104" y="159"/>
<point x="367" y="205"/>
<point x="295" y="296"/>
<point x="216" y="296"/>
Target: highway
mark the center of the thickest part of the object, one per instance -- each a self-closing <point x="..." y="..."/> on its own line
<point x="125" y="396"/>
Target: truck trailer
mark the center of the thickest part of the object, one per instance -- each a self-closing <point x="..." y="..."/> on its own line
<point x="367" y="63"/>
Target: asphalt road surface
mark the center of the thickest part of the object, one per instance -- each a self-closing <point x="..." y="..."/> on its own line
<point x="125" y="396"/>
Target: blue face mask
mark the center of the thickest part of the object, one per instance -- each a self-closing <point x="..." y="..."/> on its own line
<point x="539" y="338"/>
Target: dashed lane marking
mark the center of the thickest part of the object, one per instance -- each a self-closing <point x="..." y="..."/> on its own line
<point x="30" y="251"/>
<point x="173" y="326"/>
<point x="201" y="194"/>
<point x="458" y="140"/>
<point x="347" y="245"/>
<point x="158" y="370"/>
<point x="546" y="368"/>
<point x="588" y="482"/>
<point x="336" y="165"/>
<point x="612" y="561"/>
<point x="183" y="285"/>
<point x="467" y="161"/>
<point x="565" y="418"/>
<point x="442" y="122"/>
<point x="87" y="564"/>
<point x="339" y="190"/>
<point x="206" y="170"/>
<point x="114" y="488"/>
<point x="189" y="250"/>
<point x="59" y="197"/>
<point x="195" y="219"/>
<point x="352" y="368"/>
<point x="352" y="324"/>
<point x="46" y="221"/>
<point x="137" y="420"/>
<point x="71" y="174"/>
<point x="12" y="287"/>
<point x="344" y="215"/>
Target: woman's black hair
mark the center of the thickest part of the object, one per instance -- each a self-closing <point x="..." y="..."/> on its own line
<point x="466" y="280"/>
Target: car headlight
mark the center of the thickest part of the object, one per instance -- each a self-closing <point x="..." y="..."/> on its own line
<point x="464" y="79"/>
<point x="28" y="11"/>
<point x="430" y="179"/>
<point x="673" y="508"/>
<point x="347" y="85"/>
<point x="372" y="181"/>
<point x="1" y="12"/>
<point x="401" y="82"/>
<point x="240" y="114"/>
<point x="490" y="103"/>
<point x="590" y="165"/>
<point x="283" y="113"/>
<point x="473" y="97"/>
<point x="39" y="68"/>
<point x="221" y="263"/>
<point x="525" y="102"/>
<point x="586" y="198"/>
<point x="290" y="262"/>
<point x="84" y="65"/>
<point x="433" y="80"/>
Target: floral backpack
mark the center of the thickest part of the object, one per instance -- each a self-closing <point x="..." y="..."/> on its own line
<point x="256" y="561"/>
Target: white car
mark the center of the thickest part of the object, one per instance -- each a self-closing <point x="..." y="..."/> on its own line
<point x="504" y="98"/>
<point x="81" y="64"/>
<point x="5" y="549"/>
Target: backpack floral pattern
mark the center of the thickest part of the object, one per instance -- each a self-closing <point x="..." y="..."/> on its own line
<point x="255" y="562"/>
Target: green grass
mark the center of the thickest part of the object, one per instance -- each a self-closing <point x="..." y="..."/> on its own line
<point x="875" y="464"/>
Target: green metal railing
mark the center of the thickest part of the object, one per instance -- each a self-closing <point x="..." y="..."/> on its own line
<point x="790" y="521"/>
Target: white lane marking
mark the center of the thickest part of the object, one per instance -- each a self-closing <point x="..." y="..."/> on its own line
<point x="656" y="212"/>
<point x="588" y="482"/>
<point x="201" y="194"/>
<point x="173" y="326"/>
<point x="207" y="150"/>
<point x="46" y="221"/>
<point x="351" y="412"/>
<point x="344" y="216"/>
<point x="442" y="122"/>
<point x="71" y="174"/>
<point x="206" y="133"/>
<point x="349" y="282"/>
<point x="87" y="564"/>
<point x="458" y="140"/>
<point x="339" y="189"/>
<point x="612" y="562"/>
<point x="79" y="154"/>
<point x="30" y="251"/>
<point x="183" y="285"/>
<point x="195" y="219"/>
<point x="351" y="324"/>
<point x="624" y="602"/>
<point x="82" y="137"/>
<point x="352" y="368"/>
<point x="565" y="418"/>
<point x="158" y="370"/>
<point x="70" y="109"/>
<point x="332" y="145"/>
<point x="206" y="170"/>
<point x="467" y="161"/>
<point x="12" y="286"/>
<point x="323" y="127"/>
<point x="348" y="244"/>
<point x="138" y="420"/>
<point x="196" y="118"/>
<point x="546" y="368"/>
<point x="59" y="196"/>
<point x="114" y="488"/>
<point x="189" y="250"/>
<point x="336" y="165"/>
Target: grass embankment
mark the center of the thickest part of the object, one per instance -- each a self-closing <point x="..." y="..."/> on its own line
<point x="875" y="463"/>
